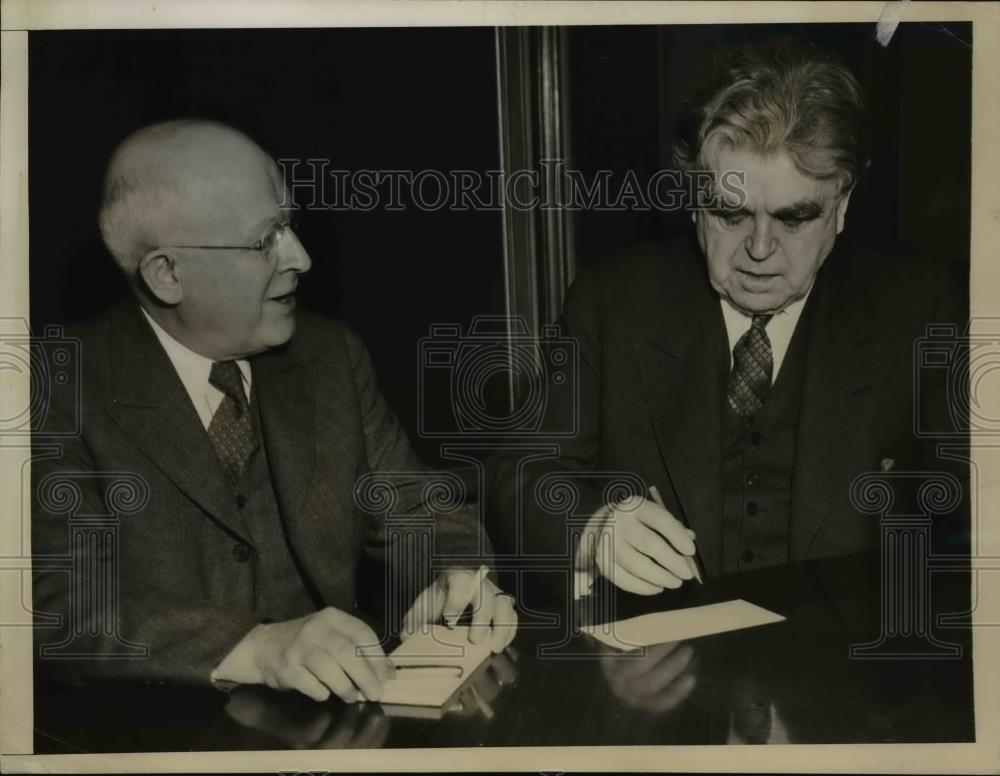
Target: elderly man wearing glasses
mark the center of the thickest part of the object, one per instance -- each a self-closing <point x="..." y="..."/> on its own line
<point x="250" y="427"/>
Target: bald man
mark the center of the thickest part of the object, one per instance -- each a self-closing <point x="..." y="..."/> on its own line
<point x="244" y="429"/>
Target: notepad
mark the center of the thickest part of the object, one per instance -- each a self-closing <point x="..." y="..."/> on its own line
<point x="441" y="647"/>
<point x="681" y="624"/>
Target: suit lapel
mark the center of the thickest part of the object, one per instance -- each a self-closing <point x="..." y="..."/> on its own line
<point x="844" y="367"/>
<point x="286" y="399"/>
<point x="678" y="361"/>
<point x="151" y="405"/>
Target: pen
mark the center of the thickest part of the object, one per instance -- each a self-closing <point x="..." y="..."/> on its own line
<point x="484" y="707"/>
<point x="691" y="560"/>
<point x="429" y="669"/>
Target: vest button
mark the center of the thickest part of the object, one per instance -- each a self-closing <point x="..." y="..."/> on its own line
<point x="755" y="438"/>
<point x="242" y="553"/>
<point x="751" y="508"/>
<point x="748" y="556"/>
<point x="241" y="501"/>
<point x="752" y="478"/>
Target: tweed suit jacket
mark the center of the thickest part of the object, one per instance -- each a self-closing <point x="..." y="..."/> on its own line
<point x="646" y="400"/>
<point x="175" y="598"/>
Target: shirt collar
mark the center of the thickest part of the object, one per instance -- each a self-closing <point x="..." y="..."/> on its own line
<point x="193" y="368"/>
<point x="780" y="328"/>
<point x="734" y="315"/>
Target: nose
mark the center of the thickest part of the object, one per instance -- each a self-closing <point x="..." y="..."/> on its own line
<point x="292" y="255"/>
<point x="760" y="243"/>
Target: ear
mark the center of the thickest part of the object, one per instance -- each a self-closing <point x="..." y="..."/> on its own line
<point x="160" y="273"/>
<point x="842" y="209"/>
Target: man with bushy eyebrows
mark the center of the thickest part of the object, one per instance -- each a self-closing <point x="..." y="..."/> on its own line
<point x="748" y="372"/>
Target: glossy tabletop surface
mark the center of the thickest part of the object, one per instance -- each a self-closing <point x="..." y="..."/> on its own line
<point x="790" y="682"/>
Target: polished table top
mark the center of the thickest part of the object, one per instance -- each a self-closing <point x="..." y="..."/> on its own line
<point x="788" y="682"/>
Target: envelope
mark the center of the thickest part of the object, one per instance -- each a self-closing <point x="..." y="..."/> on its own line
<point x="681" y="624"/>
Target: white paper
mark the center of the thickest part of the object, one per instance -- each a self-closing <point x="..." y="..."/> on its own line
<point x="681" y="624"/>
<point x="440" y="646"/>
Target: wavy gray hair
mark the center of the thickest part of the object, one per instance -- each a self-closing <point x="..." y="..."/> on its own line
<point x="779" y="95"/>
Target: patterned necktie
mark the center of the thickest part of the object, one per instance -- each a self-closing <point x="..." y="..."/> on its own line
<point x="231" y="429"/>
<point x="750" y="380"/>
<point x="751" y="718"/>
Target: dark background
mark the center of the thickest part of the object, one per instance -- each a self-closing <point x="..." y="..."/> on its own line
<point x="364" y="99"/>
<point x="629" y="84"/>
<point x="426" y="99"/>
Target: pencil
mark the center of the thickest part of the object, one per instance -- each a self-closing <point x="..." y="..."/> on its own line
<point x="691" y="560"/>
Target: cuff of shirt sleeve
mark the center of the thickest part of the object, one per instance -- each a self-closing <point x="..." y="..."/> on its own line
<point x="224" y="685"/>
<point x="583" y="584"/>
<point x="585" y="570"/>
<point x="240" y="666"/>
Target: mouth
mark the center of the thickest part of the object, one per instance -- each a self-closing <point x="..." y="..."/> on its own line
<point x="288" y="300"/>
<point x="757" y="279"/>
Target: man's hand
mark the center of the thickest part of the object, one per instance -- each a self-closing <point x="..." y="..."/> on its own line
<point x="299" y="724"/>
<point x="326" y="652"/>
<point x="478" y="696"/>
<point x="493" y="614"/>
<point x="640" y="546"/>
<point x="657" y="680"/>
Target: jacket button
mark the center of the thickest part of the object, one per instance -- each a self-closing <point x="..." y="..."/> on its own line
<point x="752" y="478"/>
<point x="751" y="508"/>
<point x="755" y="438"/>
<point x="747" y="556"/>
<point x="241" y="501"/>
<point x="242" y="553"/>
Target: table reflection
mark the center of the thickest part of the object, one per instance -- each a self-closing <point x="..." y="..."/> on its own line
<point x="656" y="679"/>
<point x="788" y="682"/>
<point x="478" y="696"/>
<point x="300" y="723"/>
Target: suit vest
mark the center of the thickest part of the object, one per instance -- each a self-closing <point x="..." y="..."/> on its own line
<point x="280" y="589"/>
<point x="757" y="463"/>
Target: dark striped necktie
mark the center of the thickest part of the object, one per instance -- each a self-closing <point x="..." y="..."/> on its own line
<point x="231" y="429"/>
<point x="751" y="712"/>
<point x="753" y="365"/>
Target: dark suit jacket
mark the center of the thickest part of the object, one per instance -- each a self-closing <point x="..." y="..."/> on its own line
<point x="180" y="590"/>
<point x="648" y="327"/>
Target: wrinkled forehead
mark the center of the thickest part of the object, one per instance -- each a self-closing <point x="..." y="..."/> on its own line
<point x="727" y="155"/>
<point x="745" y="177"/>
<point x="241" y="199"/>
<point x="243" y="177"/>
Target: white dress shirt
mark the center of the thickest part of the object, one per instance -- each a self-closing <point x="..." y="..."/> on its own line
<point x="779" y="329"/>
<point x="194" y="369"/>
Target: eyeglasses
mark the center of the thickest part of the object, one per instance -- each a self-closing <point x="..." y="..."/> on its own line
<point x="264" y="246"/>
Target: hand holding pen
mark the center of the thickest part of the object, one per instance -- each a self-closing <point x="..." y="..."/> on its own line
<point x="642" y="548"/>
<point x="692" y="560"/>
